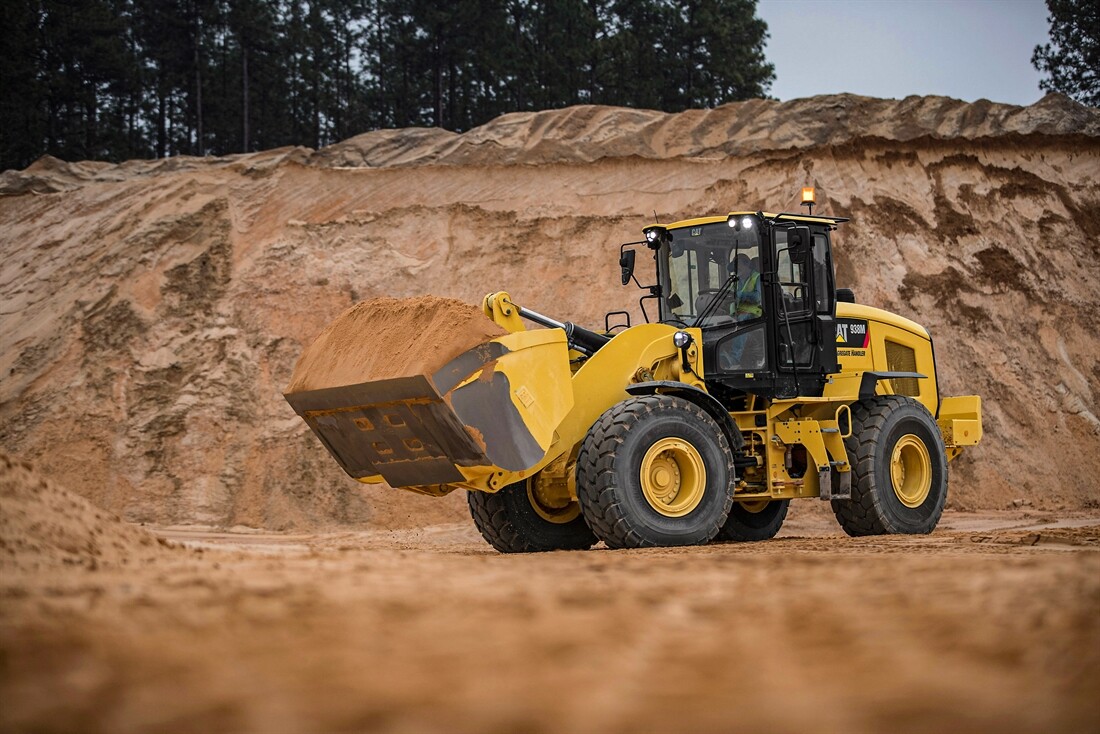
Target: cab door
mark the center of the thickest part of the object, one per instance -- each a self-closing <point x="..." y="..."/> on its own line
<point x="805" y="309"/>
<point x="824" y="295"/>
<point x="792" y="302"/>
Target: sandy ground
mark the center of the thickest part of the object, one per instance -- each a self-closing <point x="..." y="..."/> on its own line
<point x="990" y="624"/>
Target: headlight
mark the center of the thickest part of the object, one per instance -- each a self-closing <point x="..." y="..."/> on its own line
<point x="739" y="223"/>
<point x="681" y="339"/>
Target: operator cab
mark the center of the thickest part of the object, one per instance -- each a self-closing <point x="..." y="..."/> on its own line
<point x="761" y="288"/>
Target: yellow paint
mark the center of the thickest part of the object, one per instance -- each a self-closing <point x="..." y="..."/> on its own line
<point x="883" y="326"/>
<point x="537" y="367"/>
<point x="960" y="422"/>
<point x="601" y="382"/>
<point x="860" y="311"/>
<point x="911" y="470"/>
<point x="673" y="477"/>
<point x="754" y="507"/>
<point x="551" y="506"/>
<point x="700" y="221"/>
<point x="499" y="307"/>
<point x="808" y="433"/>
<point x="696" y="222"/>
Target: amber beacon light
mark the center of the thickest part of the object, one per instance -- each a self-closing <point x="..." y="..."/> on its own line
<point x="808" y="198"/>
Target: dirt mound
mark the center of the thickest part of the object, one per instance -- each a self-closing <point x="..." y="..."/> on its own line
<point x="152" y="312"/>
<point x="384" y="338"/>
<point x="588" y="133"/>
<point x="44" y="525"/>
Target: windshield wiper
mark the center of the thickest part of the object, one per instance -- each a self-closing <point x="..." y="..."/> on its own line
<point x="715" y="300"/>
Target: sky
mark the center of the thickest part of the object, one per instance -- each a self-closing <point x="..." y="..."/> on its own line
<point x="967" y="49"/>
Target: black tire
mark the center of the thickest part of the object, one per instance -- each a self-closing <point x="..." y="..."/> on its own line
<point x="743" y="525"/>
<point x="879" y="424"/>
<point x="609" y="480"/>
<point x="509" y="522"/>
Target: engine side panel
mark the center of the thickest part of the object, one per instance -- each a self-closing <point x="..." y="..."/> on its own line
<point x="872" y="340"/>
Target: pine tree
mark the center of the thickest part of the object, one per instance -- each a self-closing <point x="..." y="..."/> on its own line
<point x="112" y="79"/>
<point x="1073" y="58"/>
<point x="23" y="109"/>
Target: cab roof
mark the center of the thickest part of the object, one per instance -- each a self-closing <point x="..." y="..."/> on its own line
<point x="816" y="219"/>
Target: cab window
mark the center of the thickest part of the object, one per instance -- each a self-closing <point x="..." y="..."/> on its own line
<point x="792" y="282"/>
<point x="823" y="275"/>
<point x="701" y="260"/>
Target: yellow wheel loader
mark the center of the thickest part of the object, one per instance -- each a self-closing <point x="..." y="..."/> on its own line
<point x="752" y="382"/>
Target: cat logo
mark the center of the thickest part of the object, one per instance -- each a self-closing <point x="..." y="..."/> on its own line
<point x="852" y="333"/>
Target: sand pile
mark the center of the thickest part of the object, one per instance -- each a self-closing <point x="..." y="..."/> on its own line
<point x="592" y="132"/>
<point x="383" y="338"/>
<point x="44" y="525"/>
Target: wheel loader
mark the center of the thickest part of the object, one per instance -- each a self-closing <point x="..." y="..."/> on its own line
<point x="752" y="381"/>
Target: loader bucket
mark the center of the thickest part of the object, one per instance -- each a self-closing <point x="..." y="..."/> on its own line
<point x="493" y="407"/>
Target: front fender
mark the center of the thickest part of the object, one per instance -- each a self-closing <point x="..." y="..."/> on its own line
<point x="692" y="394"/>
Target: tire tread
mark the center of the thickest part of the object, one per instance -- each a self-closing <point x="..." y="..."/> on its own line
<point x="493" y="520"/>
<point x="596" y="470"/>
<point x="863" y="515"/>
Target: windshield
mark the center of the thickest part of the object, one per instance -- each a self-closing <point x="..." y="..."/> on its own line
<point x="700" y="260"/>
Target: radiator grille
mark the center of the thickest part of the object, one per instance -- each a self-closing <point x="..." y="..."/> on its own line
<point x="900" y="358"/>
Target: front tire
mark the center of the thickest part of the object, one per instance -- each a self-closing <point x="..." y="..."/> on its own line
<point x="655" y="471"/>
<point x="512" y="522"/>
<point x="753" y="521"/>
<point x="899" y="469"/>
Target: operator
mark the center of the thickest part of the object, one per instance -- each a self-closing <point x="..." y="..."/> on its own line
<point x="744" y="351"/>
<point x="747" y="301"/>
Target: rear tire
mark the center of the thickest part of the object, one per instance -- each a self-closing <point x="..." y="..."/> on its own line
<point x="655" y="471"/>
<point x="899" y="469"/>
<point x="746" y="525"/>
<point x="511" y="524"/>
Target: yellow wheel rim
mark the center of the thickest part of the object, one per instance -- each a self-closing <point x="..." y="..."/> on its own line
<point x="754" y="507"/>
<point x="911" y="471"/>
<point x="673" y="477"/>
<point x="549" y="508"/>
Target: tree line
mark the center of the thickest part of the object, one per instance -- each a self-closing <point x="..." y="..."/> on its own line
<point x="119" y="79"/>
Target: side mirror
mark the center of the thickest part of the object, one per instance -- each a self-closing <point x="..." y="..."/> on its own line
<point x="626" y="262"/>
<point x="798" y="242"/>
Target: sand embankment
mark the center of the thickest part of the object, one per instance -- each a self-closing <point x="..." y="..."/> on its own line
<point x="152" y="312"/>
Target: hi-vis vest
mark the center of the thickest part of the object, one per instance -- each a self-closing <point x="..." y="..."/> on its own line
<point x="748" y="290"/>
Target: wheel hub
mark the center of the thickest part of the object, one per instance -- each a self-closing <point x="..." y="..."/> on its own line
<point x="673" y="477"/>
<point x="550" y="505"/>
<point x="755" y="507"/>
<point x="911" y="471"/>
